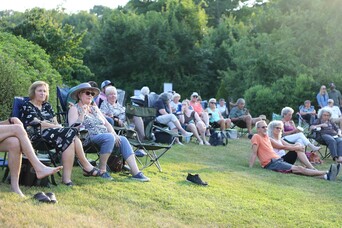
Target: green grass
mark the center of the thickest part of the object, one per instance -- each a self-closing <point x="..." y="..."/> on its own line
<point x="236" y="196"/>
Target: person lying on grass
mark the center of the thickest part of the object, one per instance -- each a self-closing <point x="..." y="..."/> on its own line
<point x="262" y="148"/>
<point x="13" y="139"/>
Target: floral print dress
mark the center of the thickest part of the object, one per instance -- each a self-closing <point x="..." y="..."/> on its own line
<point x="59" y="138"/>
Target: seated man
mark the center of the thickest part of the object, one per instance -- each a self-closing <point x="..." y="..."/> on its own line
<point x="308" y="112"/>
<point x="336" y="116"/>
<point x="262" y="148"/>
<point x="164" y="115"/>
<point x="240" y="115"/>
<point x="13" y="138"/>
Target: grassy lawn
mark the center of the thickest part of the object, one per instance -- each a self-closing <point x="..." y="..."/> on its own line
<point x="236" y="196"/>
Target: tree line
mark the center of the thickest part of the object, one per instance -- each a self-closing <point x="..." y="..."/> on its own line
<point x="274" y="54"/>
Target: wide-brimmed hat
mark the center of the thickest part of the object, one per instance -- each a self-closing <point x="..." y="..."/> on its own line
<point x="83" y="86"/>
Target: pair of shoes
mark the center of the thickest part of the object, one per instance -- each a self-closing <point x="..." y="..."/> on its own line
<point x="140" y="153"/>
<point x="196" y="179"/>
<point x="95" y="172"/>
<point x="140" y="177"/>
<point x="106" y="176"/>
<point x="69" y="184"/>
<point x="45" y="198"/>
<point x="250" y="135"/>
<point x="333" y="172"/>
<point x="187" y="134"/>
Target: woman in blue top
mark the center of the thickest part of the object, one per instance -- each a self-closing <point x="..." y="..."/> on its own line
<point x="215" y="117"/>
<point x="322" y="97"/>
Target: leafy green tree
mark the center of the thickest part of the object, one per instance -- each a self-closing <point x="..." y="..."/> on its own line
<point x="22" y="63"/>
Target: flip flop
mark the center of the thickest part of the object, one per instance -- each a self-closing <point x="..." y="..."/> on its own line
<point x="41" y="197"/>
<point x="52" y="197"/>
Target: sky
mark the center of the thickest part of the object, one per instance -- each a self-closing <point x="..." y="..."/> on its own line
<point x="72" y="6"/>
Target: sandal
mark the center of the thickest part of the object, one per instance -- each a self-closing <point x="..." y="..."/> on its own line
<point x="95" y="172"/>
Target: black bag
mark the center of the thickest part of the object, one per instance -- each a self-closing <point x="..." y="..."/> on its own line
<point x="28" y="175"/>
<point x="163" y="137"/>
<point x="115" y="161"/>
<point x="218" y="138"/>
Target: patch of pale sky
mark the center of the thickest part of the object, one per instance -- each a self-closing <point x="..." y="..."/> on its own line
<point x="72" y="6"/>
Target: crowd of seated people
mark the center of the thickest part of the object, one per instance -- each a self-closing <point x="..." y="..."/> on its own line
<point x="99" y="111"/>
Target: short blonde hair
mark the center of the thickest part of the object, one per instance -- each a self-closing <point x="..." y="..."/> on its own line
<point x="34" y="86"/>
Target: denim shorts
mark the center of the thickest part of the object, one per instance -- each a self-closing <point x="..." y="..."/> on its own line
<point x="279" y="165"/>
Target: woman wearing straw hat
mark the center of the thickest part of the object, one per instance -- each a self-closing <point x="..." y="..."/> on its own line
<point x="100" y="130"/>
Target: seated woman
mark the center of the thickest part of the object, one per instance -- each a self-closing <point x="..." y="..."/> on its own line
<point x="279" y="145"/>
<point x="291" y="133"/>
<point x="100" y="130"/>
<point x="221" y="106"/>
<point x="239" y="114"/>
<point x="308" y="112"/>
<point x="176" y="106"/>
<point x="164" y="115"/>
<point x="64" y="139"/>
<point x="192" y="122"/>
<point x="216" y="119"/>
<point x="329" y="133"/>
<point x="111" y="108"/>
<point x="195" y="104"/>
<point x="13" y="139"/>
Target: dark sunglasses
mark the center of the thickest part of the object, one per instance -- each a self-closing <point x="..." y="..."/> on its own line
<point x="89" y="93"/>
<point x="212" y="102"/>
<point x="194" y="96"/>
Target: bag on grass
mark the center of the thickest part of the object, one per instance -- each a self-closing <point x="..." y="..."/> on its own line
<point x="218" y="138"/>
<point x="115" y="161"/>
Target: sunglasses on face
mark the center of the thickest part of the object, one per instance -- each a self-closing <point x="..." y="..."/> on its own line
<point x="263" y="127"/>
<point x="212" y="102"/>
<point x="89" y="93"/>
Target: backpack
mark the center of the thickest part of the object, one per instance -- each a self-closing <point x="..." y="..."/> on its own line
<point x="218" y="138"/>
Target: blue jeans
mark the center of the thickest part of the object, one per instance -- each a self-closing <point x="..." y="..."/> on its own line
<point x="334" y="145"/>
<point x="106" y="142"/>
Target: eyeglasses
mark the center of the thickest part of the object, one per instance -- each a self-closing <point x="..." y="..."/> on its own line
<point x="263" y="127"/>
<point x="278" y="128"/>
<point x="195" y="96"/>
<point x="212" y="102"/>
<point x="89" y="93"/>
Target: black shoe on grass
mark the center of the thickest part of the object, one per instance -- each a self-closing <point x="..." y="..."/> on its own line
<point x="196" y="179"/>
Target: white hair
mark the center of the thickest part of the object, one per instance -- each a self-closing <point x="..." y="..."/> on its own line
<point x="286" y="110"/>
<point x="273" y="124"/>
<point x="145" y="90"/>
<point x="323" y="110"/>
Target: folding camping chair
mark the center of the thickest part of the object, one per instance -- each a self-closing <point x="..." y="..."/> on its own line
<point x="153" y="150"/>
<point x="39" y="144"/>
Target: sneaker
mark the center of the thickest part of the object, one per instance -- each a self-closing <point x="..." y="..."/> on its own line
<point x="333" y="171"/>
<point x="140" y="177"/>
<point x="250" y="135"/>
<point x="106" y="176"/>
<point x="187" y="134"/>
<point x="195" y="179"/>
<point x="126" y="168"/>
<point x="140" y="153"/>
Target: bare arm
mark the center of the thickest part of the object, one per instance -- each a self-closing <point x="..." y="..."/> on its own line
<point x="253" y="155"/>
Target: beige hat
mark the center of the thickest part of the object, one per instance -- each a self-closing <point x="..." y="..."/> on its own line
<point x="83" y="86"/>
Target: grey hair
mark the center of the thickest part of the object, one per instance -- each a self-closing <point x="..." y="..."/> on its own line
<point x="323" y="110"/>
<point x="259" y="122"/>
<point x="286" y="110"/>
<point x="273" y="124"/>
<point x="110" y="89"/>
<point x="145" y="90"/>
<point x="165" y="96"/>
<point x="240" y="101"/>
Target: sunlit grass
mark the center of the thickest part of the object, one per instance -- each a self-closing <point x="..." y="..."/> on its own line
<point x="236" y="196"/>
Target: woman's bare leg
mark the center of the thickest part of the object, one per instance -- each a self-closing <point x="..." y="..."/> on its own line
<point x="68" y="157"/>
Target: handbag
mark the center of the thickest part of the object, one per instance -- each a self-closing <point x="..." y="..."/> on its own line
<point x="115" y="161"/>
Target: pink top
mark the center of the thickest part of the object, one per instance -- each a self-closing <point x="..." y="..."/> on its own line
<point x="288" y="127"/>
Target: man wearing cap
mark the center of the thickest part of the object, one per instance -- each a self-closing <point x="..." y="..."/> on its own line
<point x="102" y="96"/>
<point x="336" y="116"/>
<point x="335" y="95"/>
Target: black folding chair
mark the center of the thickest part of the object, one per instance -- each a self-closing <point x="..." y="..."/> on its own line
<point x="153" y="150"/>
